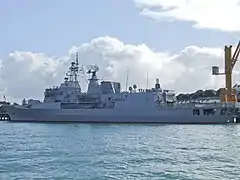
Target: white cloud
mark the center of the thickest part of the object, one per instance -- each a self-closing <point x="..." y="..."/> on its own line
<point x="213" y="14"/>
<point x="27" y="74"/>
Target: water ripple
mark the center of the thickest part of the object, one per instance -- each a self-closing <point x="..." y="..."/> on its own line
<point x="70" y="151"/>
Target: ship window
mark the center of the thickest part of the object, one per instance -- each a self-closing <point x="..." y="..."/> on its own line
<point x="237" y="112"/>
<point x="209" y="111"/>
<point x="196" y="112"/>
<point x="223" y="111"/>
<point x="205" y="112"/>
<point x="231" y="111"/>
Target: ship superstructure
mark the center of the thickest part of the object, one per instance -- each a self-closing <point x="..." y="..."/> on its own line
<point x="69" y="90"/>
<point x="102" y="94"/>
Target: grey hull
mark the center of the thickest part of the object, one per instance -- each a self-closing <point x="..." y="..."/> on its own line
<point x="166" y="116"/>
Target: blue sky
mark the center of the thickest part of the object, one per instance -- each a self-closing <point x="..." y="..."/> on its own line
<point x="52" y="26"/>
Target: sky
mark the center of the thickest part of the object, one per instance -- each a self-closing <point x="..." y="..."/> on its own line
<point x="176" y="41"/>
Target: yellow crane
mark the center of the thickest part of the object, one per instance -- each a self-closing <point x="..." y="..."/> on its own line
<point x="228" y="94"/>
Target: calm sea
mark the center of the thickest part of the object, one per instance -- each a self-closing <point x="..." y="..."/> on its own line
<point x="94" y="151"/>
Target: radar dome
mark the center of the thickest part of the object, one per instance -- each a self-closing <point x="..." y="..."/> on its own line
<point x="157" y="85"/>
<point x="130" y="88"/>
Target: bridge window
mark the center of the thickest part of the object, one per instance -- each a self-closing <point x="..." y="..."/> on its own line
<point x="196" y="112"/>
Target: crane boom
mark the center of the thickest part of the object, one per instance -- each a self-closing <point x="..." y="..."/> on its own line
<point x="235" y="55"/>
<point x="228" y="94"/>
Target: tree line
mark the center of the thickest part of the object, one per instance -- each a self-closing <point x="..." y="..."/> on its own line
<point x="199" y="94"/>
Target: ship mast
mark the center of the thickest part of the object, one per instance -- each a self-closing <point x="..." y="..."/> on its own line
<point x="73" y="70"/>
<point x="76" y="68"/>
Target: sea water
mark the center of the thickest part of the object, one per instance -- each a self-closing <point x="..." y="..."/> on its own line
<point x="108" y="151"/>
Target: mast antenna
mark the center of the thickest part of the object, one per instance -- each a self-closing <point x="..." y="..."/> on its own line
<point x="127" y="80"/>
<point x="77" y="59"/>
<point x="76" y="68"/>
<point x="147" y="81"/>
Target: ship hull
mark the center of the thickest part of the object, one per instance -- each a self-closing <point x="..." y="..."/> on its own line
<point x="166" y="116"/>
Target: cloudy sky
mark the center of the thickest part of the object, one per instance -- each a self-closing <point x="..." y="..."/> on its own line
<point x="176" y="41"/>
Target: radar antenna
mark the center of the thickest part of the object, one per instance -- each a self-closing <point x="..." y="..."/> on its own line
<point x="93" y="69"/>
